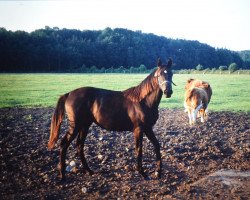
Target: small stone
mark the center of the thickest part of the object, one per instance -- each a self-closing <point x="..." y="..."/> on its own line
<point x="156" y="174"/>
<point x="72" y="163"/>
<point x="74" y="170"/>
<point x="45" y="178"/>
<point x="84" y="190"/>
<point x="68" y="168"/>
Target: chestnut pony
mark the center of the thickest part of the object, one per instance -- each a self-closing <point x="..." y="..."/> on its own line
<point x="135" y="109"/>
<point x="197" y="97"/>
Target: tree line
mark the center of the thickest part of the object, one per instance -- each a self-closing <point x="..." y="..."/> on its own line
<point x="67" y="50"/>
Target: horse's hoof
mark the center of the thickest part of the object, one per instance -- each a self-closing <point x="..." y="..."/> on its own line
<point x="147" y="178"/>
<point x="61" y="180"/>
<point x="144" y="175"/>
<point x="62" y="177"/>
<point x="90" y="172"/>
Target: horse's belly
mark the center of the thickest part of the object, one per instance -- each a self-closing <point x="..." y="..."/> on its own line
<point x="110" y="113"/>
<point x="112" y="120"/>
<point x="115" y="124"/>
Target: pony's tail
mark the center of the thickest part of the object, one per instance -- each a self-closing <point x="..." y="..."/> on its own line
<point x="199" y="107"/>
<point x="56" y="121"/>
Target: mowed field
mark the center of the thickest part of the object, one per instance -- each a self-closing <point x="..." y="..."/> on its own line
<point x="231" y="92"/>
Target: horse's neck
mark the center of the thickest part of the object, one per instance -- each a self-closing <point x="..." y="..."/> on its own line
<point x="152" y="100"/>
<point x="146" y="89"/>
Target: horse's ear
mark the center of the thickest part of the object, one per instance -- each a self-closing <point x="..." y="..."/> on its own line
<point x="159" y="63"/>
<point x="190" y="80"/>
<point x="187" y="84"/>
<point x="157" y="72"/>
<point x="170" y="62"/>
<point x="206" y="85"/>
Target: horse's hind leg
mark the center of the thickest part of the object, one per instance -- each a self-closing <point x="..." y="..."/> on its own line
<point x="151" y="136"/>
<point x="194" y="116"/>
<point x="202" y="111"/>
<point x="190" y="118"/>
<point x="65" y="142"/>
<point x="80" y="149"/>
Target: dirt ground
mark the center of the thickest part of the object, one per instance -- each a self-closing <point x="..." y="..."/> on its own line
<point x="207" y="161"/>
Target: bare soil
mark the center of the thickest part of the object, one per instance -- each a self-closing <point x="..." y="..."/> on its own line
<point x="206" y="161"/>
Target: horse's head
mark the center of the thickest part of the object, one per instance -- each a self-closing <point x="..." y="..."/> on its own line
<point x="164" y="76"/>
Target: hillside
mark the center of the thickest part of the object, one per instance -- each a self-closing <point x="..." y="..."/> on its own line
<point x="67" y="50"/>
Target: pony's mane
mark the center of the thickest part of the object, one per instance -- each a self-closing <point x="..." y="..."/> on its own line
<point x="137" y="93"/>
<point x="196" y="83"/>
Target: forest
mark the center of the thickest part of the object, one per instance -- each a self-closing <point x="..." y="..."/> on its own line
<point x="69" y="50"/>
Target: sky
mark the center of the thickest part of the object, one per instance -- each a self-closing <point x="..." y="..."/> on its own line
<point x="219" y="23"/>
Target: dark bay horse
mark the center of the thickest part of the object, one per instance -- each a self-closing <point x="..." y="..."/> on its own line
<point x="135" y="109"/>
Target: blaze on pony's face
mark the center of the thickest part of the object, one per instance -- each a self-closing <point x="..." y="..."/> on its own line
<point x="164" y="76"/>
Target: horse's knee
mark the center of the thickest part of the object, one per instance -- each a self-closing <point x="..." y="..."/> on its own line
<point x="138" y="136"/>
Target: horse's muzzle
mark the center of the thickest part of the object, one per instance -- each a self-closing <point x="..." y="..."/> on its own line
<point x="168" y="93"/>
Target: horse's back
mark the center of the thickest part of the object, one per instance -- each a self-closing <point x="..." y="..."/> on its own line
<point x="107" y="108"/>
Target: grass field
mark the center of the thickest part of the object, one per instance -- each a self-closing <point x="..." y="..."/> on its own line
<point x="230" y="92"/>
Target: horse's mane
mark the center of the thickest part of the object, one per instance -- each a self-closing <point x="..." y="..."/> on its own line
<point x="137" y="93"/>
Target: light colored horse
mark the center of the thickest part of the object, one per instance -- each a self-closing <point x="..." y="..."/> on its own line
<point x="197" y="97"/>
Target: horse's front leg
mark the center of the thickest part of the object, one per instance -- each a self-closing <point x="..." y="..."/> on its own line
<point x="65" y="142"/>
<point x="138" y="136"/>
<point x="151" y="136"/>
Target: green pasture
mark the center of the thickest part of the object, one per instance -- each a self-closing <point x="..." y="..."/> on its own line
<point x="231" y="92"/>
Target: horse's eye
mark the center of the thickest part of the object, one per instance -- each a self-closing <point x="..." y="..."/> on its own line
<point x="165" y="71"/>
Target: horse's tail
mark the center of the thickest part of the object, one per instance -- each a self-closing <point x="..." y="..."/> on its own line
<point x="56" y="121"/>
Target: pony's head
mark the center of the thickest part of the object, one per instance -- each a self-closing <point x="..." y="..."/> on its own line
<point x="164" y="76"/>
